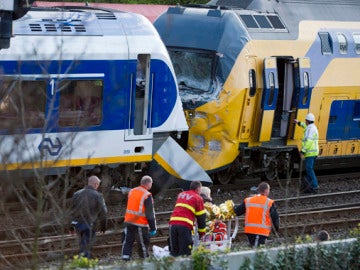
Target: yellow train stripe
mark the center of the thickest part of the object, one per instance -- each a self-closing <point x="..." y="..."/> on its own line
<point x="166" y="165"/>
<point x="74" y="162"/>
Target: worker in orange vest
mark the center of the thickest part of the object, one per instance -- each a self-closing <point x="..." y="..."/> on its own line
<point x="139" y="217"/>
<point x="260" y="215"/>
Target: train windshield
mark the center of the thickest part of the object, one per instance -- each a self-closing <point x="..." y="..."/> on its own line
<point x="197" y="76"/>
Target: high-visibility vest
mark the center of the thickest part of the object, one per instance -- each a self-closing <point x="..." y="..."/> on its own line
<point x="135" y="210"/>
<point x="310" y="141"/>
<point x="257" y="216"/>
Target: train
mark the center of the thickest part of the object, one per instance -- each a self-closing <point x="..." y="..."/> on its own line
<point x="87" y="90"/>
<point x="247" y="69"/>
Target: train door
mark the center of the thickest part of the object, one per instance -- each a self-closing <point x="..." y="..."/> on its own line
<point x="280" y="97"/>
<point x="302" y="95"/>
<point x="285" y="67"/>
<point x="269" y="97"/>
<point x="140" y="105"/>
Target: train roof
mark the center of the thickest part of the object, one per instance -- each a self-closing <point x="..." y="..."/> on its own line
<point x="261" y="4"/>
<point x="77" y="21"/>
<point x="272" y="19"/>
<point x="82" y="33"/>
<point x="151" y="12"/>
<point x="290" y="12"/>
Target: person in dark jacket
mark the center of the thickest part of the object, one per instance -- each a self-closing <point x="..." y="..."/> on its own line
<point x="87" y="208"/>
<point x="139" y="221"/>
<point x="188" y="208"/>
<point x="260" y="215"/>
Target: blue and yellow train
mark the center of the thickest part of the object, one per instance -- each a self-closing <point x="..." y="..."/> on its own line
<point x="247" y="69"/>
<point x="88" y="90"/>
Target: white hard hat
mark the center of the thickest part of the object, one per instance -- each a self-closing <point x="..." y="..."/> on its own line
<point x="310" y="117"/>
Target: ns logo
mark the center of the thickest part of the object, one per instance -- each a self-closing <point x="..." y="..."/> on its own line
<point x="50" y="147"/>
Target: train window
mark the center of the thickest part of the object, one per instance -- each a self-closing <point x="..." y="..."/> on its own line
<point x="80" y="102"/>
<point x="199" y="75"/>
<point x="272" y="88"/>
<point x="262" y="21"/>
<point x="142" y="74"/>
<point x="252" y="82"/>
<point x="22" y="104"/>
<point x="275" y="21"/>
<point x="326" y="43"/>
<point x="357" y="43"/>
<point x="249" y="21"/>
<point x="306" y="94"/>
<point x="342" y="43"/>
<point x="356" y="113"/>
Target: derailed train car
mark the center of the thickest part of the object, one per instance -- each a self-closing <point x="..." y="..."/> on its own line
<point x="247" y="69"/>
<point x="87" y="89"/>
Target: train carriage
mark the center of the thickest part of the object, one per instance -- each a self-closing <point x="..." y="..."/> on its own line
<point x="86" y="88"/>
<point x="247" y="69"/>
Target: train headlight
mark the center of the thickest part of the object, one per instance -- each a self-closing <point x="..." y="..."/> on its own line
<point x="214" y="145"/>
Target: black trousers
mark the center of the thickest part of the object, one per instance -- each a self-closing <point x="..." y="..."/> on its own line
<point x="256" y="240"/>
<point x="142" y="237"/>
<point x="86" y="238"/>
<point x="180" y="241"/>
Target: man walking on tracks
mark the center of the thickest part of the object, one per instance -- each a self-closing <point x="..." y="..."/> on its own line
<point x="310" y="150"/>
<point x="260" y="215"/>
<point x="87" y="207"/>
<point x="189" y="206"/>
<point x="139" y="216"/>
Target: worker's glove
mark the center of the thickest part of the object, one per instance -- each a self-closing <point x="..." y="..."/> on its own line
<point x="152" y="233"/>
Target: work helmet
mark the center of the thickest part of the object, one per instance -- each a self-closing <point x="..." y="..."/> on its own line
<point x="310" y="117"/>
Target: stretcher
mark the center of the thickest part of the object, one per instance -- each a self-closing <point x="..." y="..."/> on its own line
<point x="222" y="245"/>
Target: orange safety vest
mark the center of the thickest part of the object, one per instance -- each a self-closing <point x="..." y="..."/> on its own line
<point x="257" y="217"/>
<point x="135" y="210"/>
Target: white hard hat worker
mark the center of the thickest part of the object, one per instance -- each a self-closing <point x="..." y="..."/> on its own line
<point x="310" y="117"/>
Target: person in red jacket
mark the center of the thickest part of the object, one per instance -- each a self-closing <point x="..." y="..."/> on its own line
<point x="139" y="217"/>
<point x="188" y="208"/>
<point x="260" y="215"/>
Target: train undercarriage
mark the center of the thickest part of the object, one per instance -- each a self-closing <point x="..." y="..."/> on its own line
<point x="265" y="162"/>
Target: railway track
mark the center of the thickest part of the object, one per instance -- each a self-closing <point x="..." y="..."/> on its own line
<point x="293" y="222"/>
<point x="289" y="205"/>
<point x="336" y="210"/>
<point x="55" y="247"/>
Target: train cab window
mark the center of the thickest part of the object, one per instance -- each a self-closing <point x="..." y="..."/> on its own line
<point x="306" y="94"/>
<point x="80" y="102"/>
<point x="326" y="43"/>
<point x="343" y="45"/>
<point x="252" y="82"/>
<point x="272" y="88"/>
<point x="357" y="43"/>
<point x="22" y="104"/>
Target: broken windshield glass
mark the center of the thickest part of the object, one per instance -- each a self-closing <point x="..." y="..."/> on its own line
<point x="197" y="77"/>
